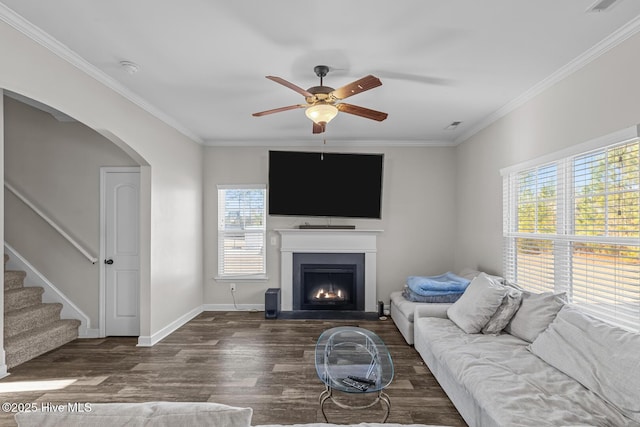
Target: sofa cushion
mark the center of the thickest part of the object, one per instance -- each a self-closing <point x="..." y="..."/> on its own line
<point x="603" y="358"/>
<point x="509" y="385"/>
<point x="403" y="305"/>
<point x="536" y="312"/>
<point x="504" y="313"/>
<point x="470" y="273"/>
<point x="156" y="414"/>
<point x="478" y="303"/>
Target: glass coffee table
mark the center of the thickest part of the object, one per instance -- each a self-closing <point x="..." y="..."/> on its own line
<point x="353" y="360"/>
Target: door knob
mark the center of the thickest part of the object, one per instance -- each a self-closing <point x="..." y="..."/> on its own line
<point x="108" y="261"/>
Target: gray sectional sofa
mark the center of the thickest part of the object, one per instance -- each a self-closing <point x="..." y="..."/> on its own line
<point x="549" y="365"/>
<point x="401" y="310"/>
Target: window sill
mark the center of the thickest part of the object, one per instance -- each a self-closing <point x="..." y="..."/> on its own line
<point x="256" y="278"/>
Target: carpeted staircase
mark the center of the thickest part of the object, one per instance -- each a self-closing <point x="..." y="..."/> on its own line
<point x="31" y="327"/>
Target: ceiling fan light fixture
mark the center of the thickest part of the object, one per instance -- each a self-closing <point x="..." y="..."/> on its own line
<point x="321" y="113"/>
<point x="321" y="105"/>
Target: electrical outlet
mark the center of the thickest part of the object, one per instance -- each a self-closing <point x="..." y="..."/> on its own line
<point x="232" y="287"/>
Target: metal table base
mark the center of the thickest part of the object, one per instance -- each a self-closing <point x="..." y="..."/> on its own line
<point x="327" y="394"/>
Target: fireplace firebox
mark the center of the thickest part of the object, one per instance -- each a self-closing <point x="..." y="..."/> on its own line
<point x="328" y="281"/>
<point x="328" y="287"/>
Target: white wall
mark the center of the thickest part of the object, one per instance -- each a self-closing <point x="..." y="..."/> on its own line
<point x="599" y="99"/>
<point x="171" y="272"/>
<point x="57" y="166"/>
<point x="417" y="216"/>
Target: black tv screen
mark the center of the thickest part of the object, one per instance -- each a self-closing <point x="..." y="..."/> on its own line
<point x="325" y="184"/>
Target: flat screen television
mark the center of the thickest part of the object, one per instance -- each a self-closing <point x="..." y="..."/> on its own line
<point x="325" y="184"/>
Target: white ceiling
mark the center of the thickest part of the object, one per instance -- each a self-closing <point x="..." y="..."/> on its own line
<point x="202" y="62"/>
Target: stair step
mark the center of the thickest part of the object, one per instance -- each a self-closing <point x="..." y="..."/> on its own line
<point x="31" y="328"/>
<point x="24" y="319"/>
<point x="27" y="345"/>
<point x="15" y="299"/>
<point x="14" y="279"/>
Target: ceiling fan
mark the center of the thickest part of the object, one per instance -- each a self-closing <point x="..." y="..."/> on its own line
<point x="322" y="101"/>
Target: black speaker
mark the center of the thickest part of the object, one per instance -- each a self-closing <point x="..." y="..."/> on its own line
<point x="272" y="303"/>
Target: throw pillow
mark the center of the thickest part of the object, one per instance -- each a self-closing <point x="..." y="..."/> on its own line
<point x="158" y="414"/>
<point x="477" y="304"/>
<point x="601" y="357"/>
<point x="536" y="312"/>
<point x="508" y="308"/>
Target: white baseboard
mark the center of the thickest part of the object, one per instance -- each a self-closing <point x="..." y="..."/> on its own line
<point x="51" y="292"/>
<point x="89" y="333"/>
<point x="150" y="341"/>
<point x="231" y="307"/>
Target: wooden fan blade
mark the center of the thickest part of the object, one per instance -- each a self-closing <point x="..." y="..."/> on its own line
<point x="362" y="112"/>
<point x="290" y="85"/>
<point x="319" y="127"/>
<point x="357" y="87"/>
<point x="277" y="110"/>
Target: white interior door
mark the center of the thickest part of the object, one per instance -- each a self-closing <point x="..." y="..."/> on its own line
<point x="122" y="253"/>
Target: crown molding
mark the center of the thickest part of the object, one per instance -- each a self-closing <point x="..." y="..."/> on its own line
<point x="329" y="143"/>
<point x="623" y="33"/>
<point x="25" y="27"/>
<point x="44" y="39"/>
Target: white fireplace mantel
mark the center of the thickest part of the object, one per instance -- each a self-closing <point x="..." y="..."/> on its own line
<point x="328" y="241"/>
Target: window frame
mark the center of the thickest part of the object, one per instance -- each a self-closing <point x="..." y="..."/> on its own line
<point x="565" y="260"/>
<point x="241" y="233"/>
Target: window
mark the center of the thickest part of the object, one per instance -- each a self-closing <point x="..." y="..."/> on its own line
<point x="241" y="231"/>
<point x="573" y="225"/>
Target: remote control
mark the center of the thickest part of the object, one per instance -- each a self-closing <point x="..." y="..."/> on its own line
<point x="355" y="384"/>
<point x="362" y="380"/>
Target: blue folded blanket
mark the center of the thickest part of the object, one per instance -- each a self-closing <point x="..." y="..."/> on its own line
<point x="444" y="284"/>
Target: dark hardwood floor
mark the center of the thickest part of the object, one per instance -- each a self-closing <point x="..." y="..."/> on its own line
<point x="235" y="358"/>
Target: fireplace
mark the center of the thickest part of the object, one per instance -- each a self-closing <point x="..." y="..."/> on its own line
<point x="337" y="243"/>
<point x="328" y="281"/>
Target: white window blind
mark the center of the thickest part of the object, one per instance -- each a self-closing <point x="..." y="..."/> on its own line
<point x="573" y="225"/>
<point x="241" y="231"/>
